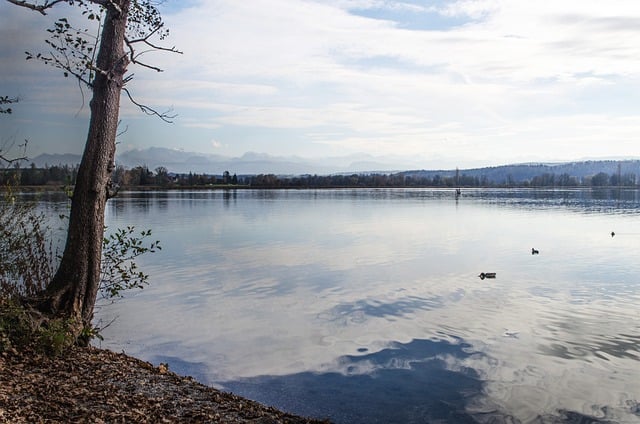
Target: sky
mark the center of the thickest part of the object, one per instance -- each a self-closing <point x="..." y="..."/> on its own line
<point x="458" y="83"/>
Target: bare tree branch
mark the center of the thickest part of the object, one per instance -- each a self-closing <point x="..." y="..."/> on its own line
<point x="67" y="67"/>
<point x="8" y="145"/>
<point x="121" y="132"/>
<point x="133" y="56"/>
<point x="70" y="53"/>
<point x="8" y="161"/>
<point x="165" y="116"/>
<point x="40" y="8"/>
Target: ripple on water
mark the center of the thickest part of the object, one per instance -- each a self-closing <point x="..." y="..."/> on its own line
<point x="283" y="282"/>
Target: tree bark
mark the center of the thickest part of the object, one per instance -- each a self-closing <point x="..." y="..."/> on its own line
<point x="74" y="288"/>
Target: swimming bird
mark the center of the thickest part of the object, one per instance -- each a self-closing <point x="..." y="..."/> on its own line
<point x="534" y="251"/>
<point x="511" y="334"/>
<point x="612" y="234"/>
<point x="484" y="275"/>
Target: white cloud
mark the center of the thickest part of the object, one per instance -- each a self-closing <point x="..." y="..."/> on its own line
<point x="475" y="9"/>
<point x="514" y="62"/>
<point x="507" y="75"/>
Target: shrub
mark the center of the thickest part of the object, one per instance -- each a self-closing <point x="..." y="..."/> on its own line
<point x="15" y="327"/>
<point x="27" y="257"/>
<point x="119" y="269"/>
<point x="28" y="260"/>
<point x="22" y="327"/>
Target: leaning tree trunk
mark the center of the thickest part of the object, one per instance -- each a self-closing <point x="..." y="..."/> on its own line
<point x="73" y="290"/>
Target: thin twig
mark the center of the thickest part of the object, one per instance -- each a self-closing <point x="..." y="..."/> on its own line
<point x="133" y="56"/>
<point x="10" y="161"/>
<point x="10" y="146"/>
<point x="150" y="111"/>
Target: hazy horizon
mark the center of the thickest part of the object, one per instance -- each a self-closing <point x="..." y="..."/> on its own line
<point x="180" y="161"/>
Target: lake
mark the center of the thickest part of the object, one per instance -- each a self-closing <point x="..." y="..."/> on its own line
<point x="365" y="305"/>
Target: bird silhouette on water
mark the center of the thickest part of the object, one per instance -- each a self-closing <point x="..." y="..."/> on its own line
<point x="534" y="251"/>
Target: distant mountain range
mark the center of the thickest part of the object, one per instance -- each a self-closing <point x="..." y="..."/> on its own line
<point x="178" y="161"/>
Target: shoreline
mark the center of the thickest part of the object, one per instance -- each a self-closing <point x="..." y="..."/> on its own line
<point x="228" y="188"/>
<point x="98" y="385"/>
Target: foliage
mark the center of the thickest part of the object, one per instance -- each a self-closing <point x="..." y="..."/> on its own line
<point x="21" y="327"/>
<point x="27" y="263"/>
<point x="119" y="269"/>
<point x="101" y="62"/>
<point x="6" y="100"/>
<point x="27" y="255"/>
<point x="72" y="49"/>
<point x="15" y="327"/>
<point x="34" y="176"/>
<point x="143" y="176"/>
<point x="55" y="336"/>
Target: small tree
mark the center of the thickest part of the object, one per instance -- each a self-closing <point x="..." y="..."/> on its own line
<point x="162" y="176"/>
<point x="100" y="63"/>
<point x="27" y="257"/>
<point x="601" y="179"/>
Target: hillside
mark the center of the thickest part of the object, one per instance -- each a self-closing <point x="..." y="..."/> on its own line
<point x="526" y="172"/>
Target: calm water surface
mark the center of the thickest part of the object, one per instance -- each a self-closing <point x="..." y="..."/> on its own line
<point x="365" y="306"/>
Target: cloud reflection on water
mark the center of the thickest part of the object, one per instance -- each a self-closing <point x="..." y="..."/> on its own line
<point x="324" y="288"/>
<point x="378" y="309"/>
<point x="367" y="388"/>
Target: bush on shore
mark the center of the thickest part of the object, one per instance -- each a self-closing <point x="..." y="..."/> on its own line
<point x="28" y="260"/>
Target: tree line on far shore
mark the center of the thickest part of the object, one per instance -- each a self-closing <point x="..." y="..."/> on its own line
<point x="142" y="176"/>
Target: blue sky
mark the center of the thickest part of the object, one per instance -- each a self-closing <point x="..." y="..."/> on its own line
<point x="444" y="83"/>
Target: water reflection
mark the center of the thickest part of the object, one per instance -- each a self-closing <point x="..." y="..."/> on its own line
<point x="371" y="297"/>
<point x="596" y="200"/>
<point x="229" y="195"/>
<point x="426" y="377"/>
<point x="362" y="309"/>
<point x="423" y="381"/>
<point x="600" y="337"/>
